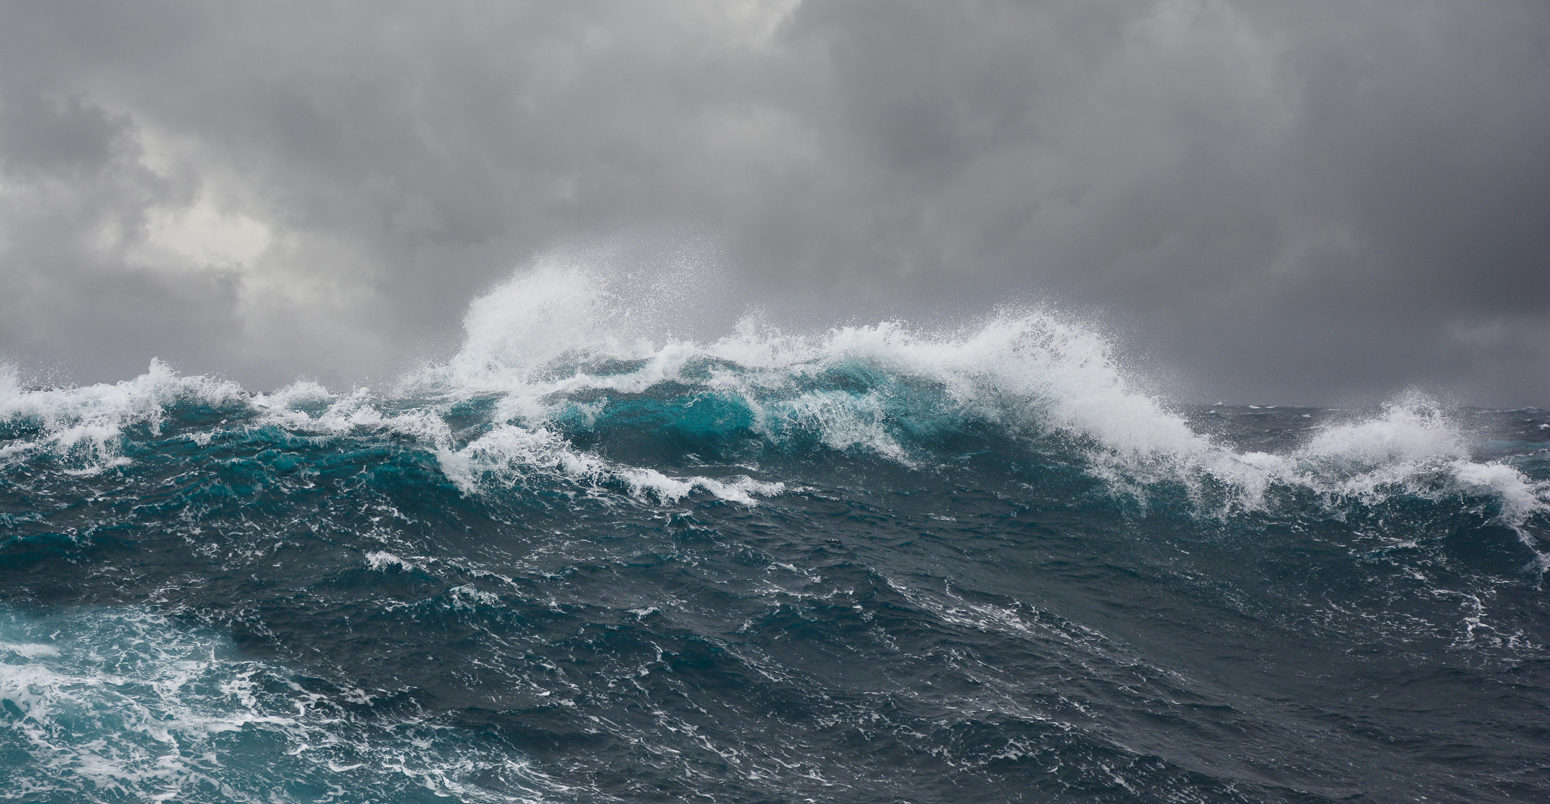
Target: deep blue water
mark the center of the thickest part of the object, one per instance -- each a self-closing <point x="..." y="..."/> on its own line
<point x="872" y="567"/>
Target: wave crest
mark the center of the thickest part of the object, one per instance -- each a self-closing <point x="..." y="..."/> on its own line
<point x="561" y="353"/>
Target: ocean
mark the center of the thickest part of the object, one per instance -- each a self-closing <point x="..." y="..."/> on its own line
<point x="573" y="562"/>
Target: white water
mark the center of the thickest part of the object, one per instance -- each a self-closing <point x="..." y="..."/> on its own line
<point x="124" y="704"/>
<point x="560" y="329"/>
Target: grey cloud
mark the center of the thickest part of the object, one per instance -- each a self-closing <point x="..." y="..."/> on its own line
<point x="1302" y="202"/>
<point x="42" y="136"/>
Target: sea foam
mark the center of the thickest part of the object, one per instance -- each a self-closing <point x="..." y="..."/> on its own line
<point x="550" y="335"/>
<point x="127" y="704"/>
<point x="562" y="337"/>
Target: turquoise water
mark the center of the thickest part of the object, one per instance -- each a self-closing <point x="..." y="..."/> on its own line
<point x="873" y="564"/>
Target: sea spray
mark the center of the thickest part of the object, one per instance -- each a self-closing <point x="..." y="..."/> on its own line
<point x="588" y="557"/>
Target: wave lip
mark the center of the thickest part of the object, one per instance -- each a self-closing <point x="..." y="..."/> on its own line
<point x="508" y="454"/>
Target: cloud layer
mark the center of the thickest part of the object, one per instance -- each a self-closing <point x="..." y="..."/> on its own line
<point x="1305" y="202"/>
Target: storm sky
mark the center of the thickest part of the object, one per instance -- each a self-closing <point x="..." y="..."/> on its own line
<point x="1310" y="202"/>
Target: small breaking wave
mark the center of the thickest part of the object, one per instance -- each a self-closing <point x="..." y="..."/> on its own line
<point x="85" y="425"/>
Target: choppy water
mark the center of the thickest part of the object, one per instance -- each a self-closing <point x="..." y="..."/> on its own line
<point x="875" y="564"/>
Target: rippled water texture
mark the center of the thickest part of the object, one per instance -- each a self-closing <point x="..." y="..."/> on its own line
<point x="577" y="563"/>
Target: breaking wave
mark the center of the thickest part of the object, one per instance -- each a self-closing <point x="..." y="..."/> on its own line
<point x="550" y="362"/>
<point x="589" y="558"/>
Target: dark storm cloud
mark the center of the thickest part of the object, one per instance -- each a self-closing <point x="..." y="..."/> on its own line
<point x="1298" y="202"/>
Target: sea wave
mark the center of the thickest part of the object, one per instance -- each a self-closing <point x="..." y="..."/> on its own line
<point x="129" y="704"/>
<point x="583" y="558"/>
<point x="552" y="370"/>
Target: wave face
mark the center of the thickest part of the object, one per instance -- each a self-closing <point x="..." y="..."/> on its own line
<point x="586" y="560"/>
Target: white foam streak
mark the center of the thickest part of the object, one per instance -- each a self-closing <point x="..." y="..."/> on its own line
<point x="353" y="412"/>
<point x="381" y="560"/>
<point x="842" y="420"/>
<point x="509" y="454"/>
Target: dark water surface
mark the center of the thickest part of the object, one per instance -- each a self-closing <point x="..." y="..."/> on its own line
<point x="838" y="575"/>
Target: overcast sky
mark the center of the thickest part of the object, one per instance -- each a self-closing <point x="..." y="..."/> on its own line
<point x="1299" y="202"/>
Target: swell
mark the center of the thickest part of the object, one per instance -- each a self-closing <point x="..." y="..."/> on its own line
<point x="546" y="389"/>
<point x="423" y="581"/>
<point x="908" y="632"/>
<point x="563" y="403"/>
<point x="737" y="417"/>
